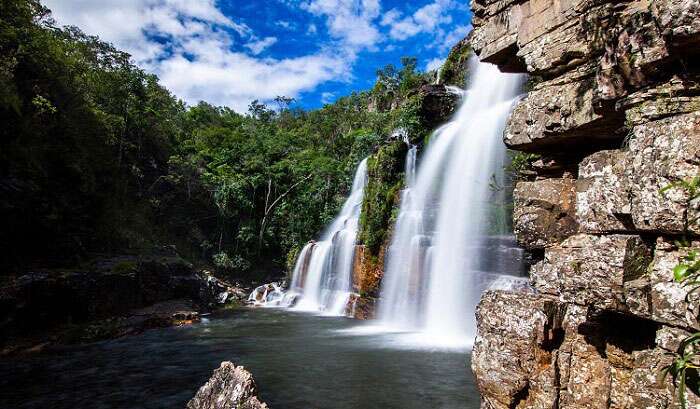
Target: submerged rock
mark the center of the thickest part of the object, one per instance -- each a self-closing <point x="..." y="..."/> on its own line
<point x="230" y="387"/>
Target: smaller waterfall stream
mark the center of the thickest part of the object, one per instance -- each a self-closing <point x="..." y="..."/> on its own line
<point x="322" y="277"/>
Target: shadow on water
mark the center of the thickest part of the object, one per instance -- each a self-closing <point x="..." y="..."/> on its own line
<point x="299" y="361"/>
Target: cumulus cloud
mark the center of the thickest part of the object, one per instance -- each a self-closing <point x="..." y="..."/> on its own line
<point x="200" y="62"/>
<point x="351" y="21"/>
<point x="435" y="64"/>
<point x="327" y="97"/>
<point x="202" y="54"/>
<point x="258" y="46"/>
<point x="424" y="20"/>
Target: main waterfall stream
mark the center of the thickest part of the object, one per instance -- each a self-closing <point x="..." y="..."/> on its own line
<point x="446" y="240"/>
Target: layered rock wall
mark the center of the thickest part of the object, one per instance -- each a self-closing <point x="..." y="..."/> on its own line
<point x="615" y="114"/>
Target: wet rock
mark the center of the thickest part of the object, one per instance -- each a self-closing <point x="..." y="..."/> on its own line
<point x="544" y="212"/>
<point x="437" y="105"/>
<point x="368" y="271"/>
<point x="230" y="386"/>
<point x="361" y="307"/>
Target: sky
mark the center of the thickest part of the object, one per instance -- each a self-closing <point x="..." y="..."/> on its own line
<point x="231" y="52"/>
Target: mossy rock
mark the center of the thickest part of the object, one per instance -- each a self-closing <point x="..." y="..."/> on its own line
<point x="384" y="182"/>
<point x="455" y="69"/>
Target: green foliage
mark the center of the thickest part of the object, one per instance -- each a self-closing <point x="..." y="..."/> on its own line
<point x="394" y="85"/>
<point x="688" y="271"/>
<point x="520" y="164"/>
<point x="99" y="158"/>
<point x="385" y="180"/>
<point x="455" y="71"/>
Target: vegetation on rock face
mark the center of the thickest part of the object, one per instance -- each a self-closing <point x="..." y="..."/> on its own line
<point x="455" y="69"/>
<point x="97" y="157"/>
<point x="384" y="181"/>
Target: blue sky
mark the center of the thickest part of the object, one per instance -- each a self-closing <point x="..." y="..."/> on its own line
<point x="231" y="52"/>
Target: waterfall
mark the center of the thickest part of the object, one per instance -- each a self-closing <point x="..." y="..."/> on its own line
<point x="322" y="277"/>
<point x="442" y="253"/>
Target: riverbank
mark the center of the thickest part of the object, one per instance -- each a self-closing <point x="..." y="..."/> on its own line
<point x="105" y="299"/>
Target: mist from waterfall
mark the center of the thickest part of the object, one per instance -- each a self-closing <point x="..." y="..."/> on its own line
<point x="322" y="276"/>
<point x="442" y="251"/>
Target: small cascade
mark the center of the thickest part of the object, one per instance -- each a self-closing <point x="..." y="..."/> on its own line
<point x="322" y="277"/>
<point x="456" y="91"/>
<point x="268" y="295"/>
<point x="444" y="251"/>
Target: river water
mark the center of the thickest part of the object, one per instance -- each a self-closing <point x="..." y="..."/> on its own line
<point x="298" y="360"/>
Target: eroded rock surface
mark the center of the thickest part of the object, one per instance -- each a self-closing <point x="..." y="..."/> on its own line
<point x="230" y="386"/>
<point x="545" y="212"/>
<point x="616" y="96"/>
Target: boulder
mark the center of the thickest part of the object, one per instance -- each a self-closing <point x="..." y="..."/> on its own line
<point x="544" y="212"/>
<point x="437" y="105"/>
<point x="512" y="350"/>
<point x="230" y="386"/>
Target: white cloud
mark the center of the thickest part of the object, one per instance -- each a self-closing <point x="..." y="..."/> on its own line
<point x="209" y="56"/>
<point x="258" y="46"/>
<point x="327" y="97"/>
<point x="456" y="35"/>
<point x="426" y="19"/>
<point x="435" y="64"/>
<point x="351" y="21"/>
<point x="200" y="62"/>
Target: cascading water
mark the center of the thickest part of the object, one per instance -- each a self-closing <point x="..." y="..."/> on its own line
<point x="322" y="278"/>
<point x="442" y="238"/>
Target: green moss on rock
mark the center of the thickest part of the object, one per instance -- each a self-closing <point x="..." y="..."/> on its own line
<point x="455" y="69"/>
<point x="384" y="181"/>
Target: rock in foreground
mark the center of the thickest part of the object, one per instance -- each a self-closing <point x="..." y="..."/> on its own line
<point x="231" y="386"/>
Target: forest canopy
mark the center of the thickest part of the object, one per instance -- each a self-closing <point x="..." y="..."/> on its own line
<point x="96" y="157"/>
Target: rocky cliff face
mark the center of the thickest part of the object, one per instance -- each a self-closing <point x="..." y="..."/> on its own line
<point x="617" y="104"/>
